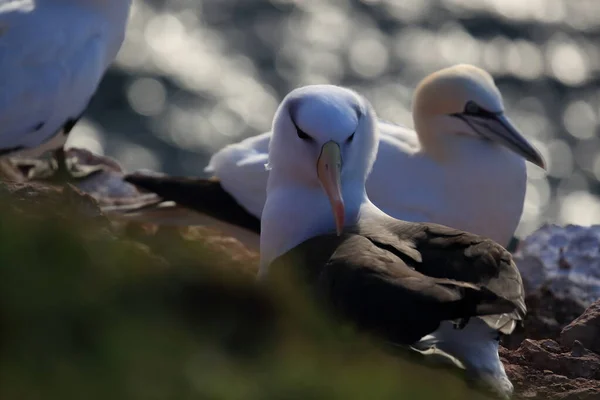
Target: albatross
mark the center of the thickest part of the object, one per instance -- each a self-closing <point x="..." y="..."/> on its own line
<point x="417" y="284"/>
<point x="53" y="54"/>
<point x="463" y="166"/>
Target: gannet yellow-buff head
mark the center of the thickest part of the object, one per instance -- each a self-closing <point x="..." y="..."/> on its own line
<point x="464" y="100"/>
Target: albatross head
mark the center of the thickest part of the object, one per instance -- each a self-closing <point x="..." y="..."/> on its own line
<point x="324" y="137"/>
<point x="464" y="100"/>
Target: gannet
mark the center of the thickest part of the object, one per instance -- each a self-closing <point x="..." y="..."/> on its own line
<point x="464" y="166"/>
<point x="401" y="280"/>
<point x="53" y="54"/>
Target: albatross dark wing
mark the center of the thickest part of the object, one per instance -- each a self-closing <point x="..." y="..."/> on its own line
<point x="453" y="254"/>
<point x="206" y="196"/>
<point x="374" y="288"/>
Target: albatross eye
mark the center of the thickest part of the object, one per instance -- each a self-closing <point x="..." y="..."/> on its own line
<point x="472" y="108"/>
<point x="350" y="138"/>
<point x="301" y="134"/>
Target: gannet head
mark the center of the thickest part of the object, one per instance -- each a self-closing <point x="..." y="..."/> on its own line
<point x="326" y="136"/>
<point x="464" y="100"/>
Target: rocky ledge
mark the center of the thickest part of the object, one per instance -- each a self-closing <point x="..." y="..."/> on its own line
<point x="567" y="369"/>
<point x="556" y="355"/>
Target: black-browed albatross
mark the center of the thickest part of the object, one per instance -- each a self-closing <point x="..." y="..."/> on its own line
<point x="464" y="166"/>
<point x="400" y="280"/>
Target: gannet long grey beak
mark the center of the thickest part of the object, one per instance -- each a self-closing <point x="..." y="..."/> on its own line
<point x="496" y="127"/>
<point x="329" y="169"/>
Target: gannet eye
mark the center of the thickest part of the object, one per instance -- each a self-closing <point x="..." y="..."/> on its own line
<point x="472" y="108"/>
<point x="350" y="138"/>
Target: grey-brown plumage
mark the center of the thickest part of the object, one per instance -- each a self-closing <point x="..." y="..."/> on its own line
<point x="399" y="280"/>
<point x="202" y="195"/>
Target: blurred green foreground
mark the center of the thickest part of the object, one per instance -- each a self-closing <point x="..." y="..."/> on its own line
<point x="86" y="314"/>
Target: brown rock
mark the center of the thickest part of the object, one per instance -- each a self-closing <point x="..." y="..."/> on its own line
<point x="585" y="329"/>
<point x="36" y="198"/>
<point x="546" y="370"/>
<point x="549" y="355"/>
<point x="99" y="176"/>
<point x="165" y="240"/>
<point x="238" y="255"/>
<point x="547" y="315"/>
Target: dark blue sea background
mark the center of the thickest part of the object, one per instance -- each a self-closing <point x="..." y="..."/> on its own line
<point x="193" y="76"/>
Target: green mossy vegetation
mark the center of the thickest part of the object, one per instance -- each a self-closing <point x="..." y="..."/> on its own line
<point x="88" y="314"/>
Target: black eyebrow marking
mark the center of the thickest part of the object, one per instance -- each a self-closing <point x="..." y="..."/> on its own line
<point x="301" y="134"/>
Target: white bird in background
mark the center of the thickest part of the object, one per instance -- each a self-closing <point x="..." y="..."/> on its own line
<point x="53" y="54"/>
<point x="400" y="280"/>
<point x="464" y="166"/>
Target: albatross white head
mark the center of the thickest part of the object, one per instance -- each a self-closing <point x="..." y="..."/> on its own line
<point x="322" y="149"/>
<point x="463" y="100"/>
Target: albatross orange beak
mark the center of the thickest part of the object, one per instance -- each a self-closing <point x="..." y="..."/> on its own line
<point x="329" y="169"/>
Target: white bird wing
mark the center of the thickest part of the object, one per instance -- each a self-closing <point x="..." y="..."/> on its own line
<point x="241" y="169"/>
<point x="396" y="187"/>
<point x="51" y="61"/>
<point x="405" y="137"/>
